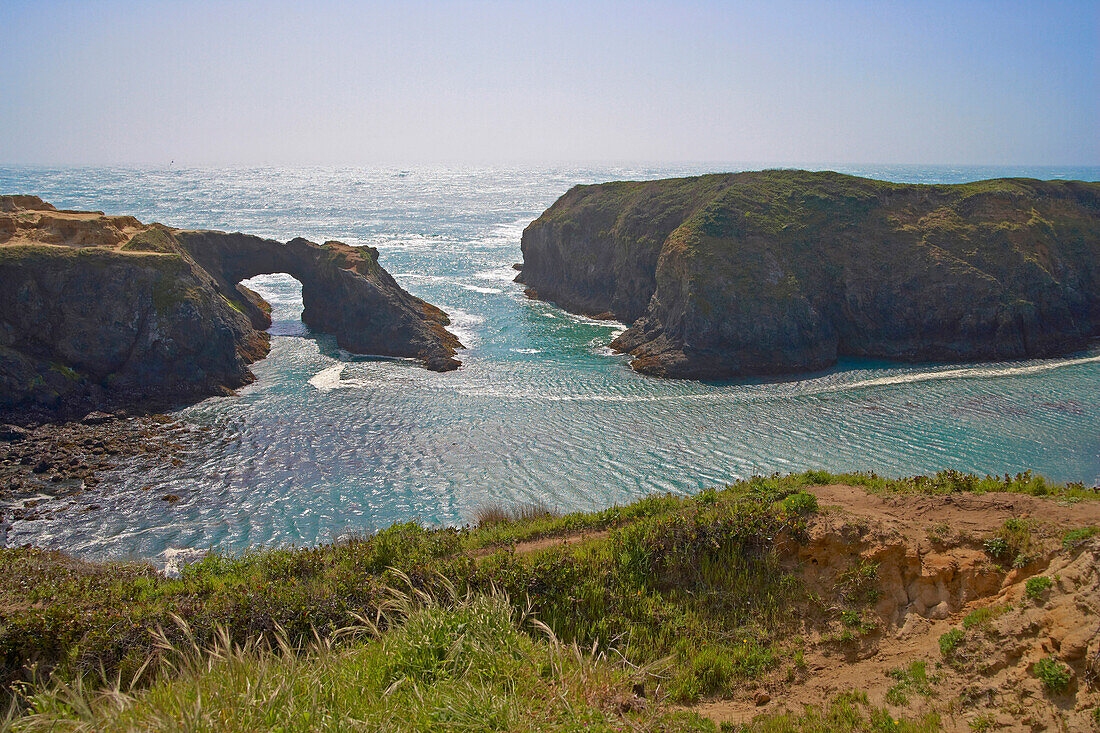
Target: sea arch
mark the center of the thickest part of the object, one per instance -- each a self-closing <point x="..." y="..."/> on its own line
<point x="345" y="292"/>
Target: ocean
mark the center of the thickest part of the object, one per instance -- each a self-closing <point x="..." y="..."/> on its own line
<point x="324" y="443"/>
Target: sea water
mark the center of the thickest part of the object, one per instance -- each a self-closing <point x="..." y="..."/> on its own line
<point x="325" y="443"/>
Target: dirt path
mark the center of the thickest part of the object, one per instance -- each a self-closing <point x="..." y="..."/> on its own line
<point x="913" y="514"/>
<point x="530" y="547"/>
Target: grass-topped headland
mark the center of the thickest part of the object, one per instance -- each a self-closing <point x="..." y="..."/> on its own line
<point x="781" y="271"/>
<point x="666" y="600"/>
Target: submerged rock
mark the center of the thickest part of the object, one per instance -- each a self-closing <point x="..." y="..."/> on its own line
<point x="102" y="313"/>
<point x="784" y="271"/>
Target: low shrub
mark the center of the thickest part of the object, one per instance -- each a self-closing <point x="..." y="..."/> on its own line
<point x="950" y="642"/>
<point x="1012" y="544"/>
<point x="982" y="617"/>
<point x="1054" y="675"/>
<point x="1037" y="586"/>
<point x="859" y="583"/>
<point x="802" y="503"/>
<point x="911" y="679"/>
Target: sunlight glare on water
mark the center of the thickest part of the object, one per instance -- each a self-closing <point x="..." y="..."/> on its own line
<point x="326" y="443"/>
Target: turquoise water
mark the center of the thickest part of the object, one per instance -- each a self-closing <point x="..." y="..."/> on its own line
<point x="324" y="443"/>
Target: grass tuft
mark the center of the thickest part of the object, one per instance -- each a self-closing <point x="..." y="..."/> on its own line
<point x="496" y="513"/>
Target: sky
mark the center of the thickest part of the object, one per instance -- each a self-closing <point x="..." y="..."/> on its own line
<point x="411" y="82"/>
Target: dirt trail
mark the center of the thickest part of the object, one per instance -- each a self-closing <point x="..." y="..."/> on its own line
<point x="912" y="514"/>
<point x="530" y="547"/>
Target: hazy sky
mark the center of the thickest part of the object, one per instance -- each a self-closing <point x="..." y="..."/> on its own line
<point x="210" y="83"/>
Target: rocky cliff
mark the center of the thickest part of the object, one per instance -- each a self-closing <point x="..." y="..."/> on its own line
<point x="103" y="312"/>
<point x="784" y="271"/>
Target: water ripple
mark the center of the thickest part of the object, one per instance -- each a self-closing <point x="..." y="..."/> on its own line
<point x="325" y="443"/>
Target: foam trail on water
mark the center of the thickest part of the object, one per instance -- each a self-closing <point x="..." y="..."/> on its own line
<point x="811" y="389"/>
<point x="479" y="289"/>
<point x="970" y="373"/>
<point x="503" y="274"/>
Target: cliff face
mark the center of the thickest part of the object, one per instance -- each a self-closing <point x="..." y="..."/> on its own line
<point x="104" y="313"/>
<point x="784" y="271"/>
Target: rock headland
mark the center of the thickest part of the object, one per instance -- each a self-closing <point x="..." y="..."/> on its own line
<point x="782" y="271"/>
<point x="103" y="312"/>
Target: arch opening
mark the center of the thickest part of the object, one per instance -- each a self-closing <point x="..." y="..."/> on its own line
<point x="283" y="292"/>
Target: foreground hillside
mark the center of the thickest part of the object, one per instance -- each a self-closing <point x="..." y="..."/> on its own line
<point x="785" y="271"/>
<point x="806" y="602"/>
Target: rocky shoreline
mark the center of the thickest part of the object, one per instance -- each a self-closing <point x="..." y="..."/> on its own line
<point x="57" y="467"/>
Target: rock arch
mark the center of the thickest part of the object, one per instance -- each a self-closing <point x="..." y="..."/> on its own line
<point x="105" y="313"/>
<point x="345" y="292"/>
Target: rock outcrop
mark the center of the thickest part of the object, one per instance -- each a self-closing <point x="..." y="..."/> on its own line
<point x="105" y="313"/>
<point x="785" y="271"/>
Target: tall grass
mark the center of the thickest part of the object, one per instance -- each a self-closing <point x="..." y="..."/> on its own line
<point x="456" y="663"/>
<point x="492" y="513"/>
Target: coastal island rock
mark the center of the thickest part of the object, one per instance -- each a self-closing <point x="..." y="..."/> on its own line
<point x="105" y="313"/>
<point x="782" y="271"/>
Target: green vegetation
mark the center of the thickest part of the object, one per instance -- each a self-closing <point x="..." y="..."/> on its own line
<point x="982" y="723"/>
<point x="461" y="664"/>
<point x="1012" y="544"/>
<point x="1036" y="587"/>
<point x="910" y="680"/>
<point x="154" y="239"/>
<point x="674" y="577"/>
<point x="950" y="641"/>
<point x="1075" y="538"/>
<point x="859" y="583"/>
<point x="801" y="503"/>
<point x="949" y="482"/>
<point x="849" y="711"/>
<point x="1054" y="675"/>
<point x="687" y="587"/>
<point x="982" y="617"/>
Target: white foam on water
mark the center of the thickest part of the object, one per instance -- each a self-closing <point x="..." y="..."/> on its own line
<point x="478" y="289"/>
<point x="328" y="378"/>
<point x="462" y="325"/>
<point x="603" y="322"/>
<point x="503" y="274"/>
<point x="605" y="350"/>
<point x="987" y="372"/>
<point x="527" y="351"/>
